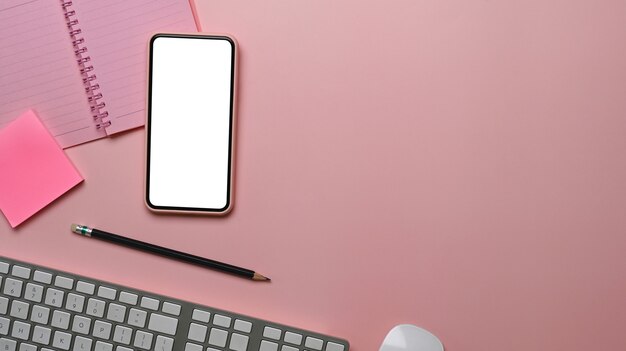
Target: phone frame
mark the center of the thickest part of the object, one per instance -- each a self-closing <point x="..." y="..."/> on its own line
<point x="231" y="145"/>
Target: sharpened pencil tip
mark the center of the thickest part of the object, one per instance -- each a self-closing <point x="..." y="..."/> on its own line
<point x="259" y="277"/>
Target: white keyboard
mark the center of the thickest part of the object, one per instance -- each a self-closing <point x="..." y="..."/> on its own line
<point x="42" y="309"/>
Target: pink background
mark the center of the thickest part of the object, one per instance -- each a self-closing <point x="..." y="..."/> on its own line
<point x="459" y="165"/>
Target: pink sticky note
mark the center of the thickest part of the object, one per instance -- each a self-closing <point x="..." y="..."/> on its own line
<point x="33" y="169"/>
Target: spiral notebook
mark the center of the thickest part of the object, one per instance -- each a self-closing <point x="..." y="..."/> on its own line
<point x="81" y="64"/>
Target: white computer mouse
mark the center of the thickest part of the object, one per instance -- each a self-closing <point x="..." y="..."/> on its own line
<point x="407" y="337"/>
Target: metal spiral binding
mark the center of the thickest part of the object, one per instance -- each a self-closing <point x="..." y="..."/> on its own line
<point x="86" y="70"/>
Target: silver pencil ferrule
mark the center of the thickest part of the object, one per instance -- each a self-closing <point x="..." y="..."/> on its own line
<point x="81" y="229"/>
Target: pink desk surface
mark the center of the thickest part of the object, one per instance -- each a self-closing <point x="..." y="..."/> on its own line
<point x="458" y="165"/>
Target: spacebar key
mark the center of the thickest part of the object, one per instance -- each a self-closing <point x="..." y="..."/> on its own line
<point x="163" y="324"/>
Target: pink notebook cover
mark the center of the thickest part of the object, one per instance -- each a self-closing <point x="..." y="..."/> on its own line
<point x="41" y="62"/>
<point x="35" y="170"/>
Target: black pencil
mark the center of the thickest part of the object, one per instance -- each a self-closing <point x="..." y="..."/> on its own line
<point x="169" y="253"/>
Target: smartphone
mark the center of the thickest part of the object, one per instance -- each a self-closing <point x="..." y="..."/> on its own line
<point x="190" y="123"/>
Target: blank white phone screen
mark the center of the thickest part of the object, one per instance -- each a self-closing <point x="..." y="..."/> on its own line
<point x="190" y="123"/>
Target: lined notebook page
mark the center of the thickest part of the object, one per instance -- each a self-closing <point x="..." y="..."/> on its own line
<point x="38" y="70"/>
<point x="116" y="33"/>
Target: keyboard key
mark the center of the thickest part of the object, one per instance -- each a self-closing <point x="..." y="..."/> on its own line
<point x="19" y="309"/>
<point x="20" y="272"/>
<point x="95" y="308"/>
<point x="116" y="313"/>
<point x="197" y="332"/>
<point x="7" y="344"/>
<point x="122" y="335"/>
<point x="313" y="343"/>
<point x="163" y="324"/>
<point x="54" y="297"/>
<point x="75" y="303"/>
<point x="150" y="303"/>
<point x="128" y="298"/>
<point x="163" y="343"/>
<point x="20" y="330"/>
<point x="81" y="325"/>
<point x="62" y="340"/>
<point x="272" y="333"/>
<point x="4" y="326"/>
<point x="61" y="320"/>
<point x="288" y="348"/>
<point x="85" y="288"/>
<point x="102" y="346"/>
<point x="41" y="335"/>
<point x="27" y="347"/>
<point x="42" y="277"/>
<point x="13" y="287"/>
<point x="192" y="347"/>
<point x="4" y="305"/>
<point x="102" y="330"/>
<point x="222" y="321"/>
<point x="137" y="317"/>
<point x="218" y="337"/>
<point x="171" y="308"/>
<point x="81" y="343"/>
<point x="40" y="314"/>
<point x="201" y="316"/>
<point x="34" y="292"/>
<point x="122" y="348"/>
<point x="268" y="346"/>
<point x="293" y="338"/>
<point x="107" y="293"/>
<point x="64" y="282"/>
<point x="4" y="267"/>
<point x="143" y="340"/>
<point x="238" y="342"/>
<point x="243" y="326"/>
<point x="331" y="346"/>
